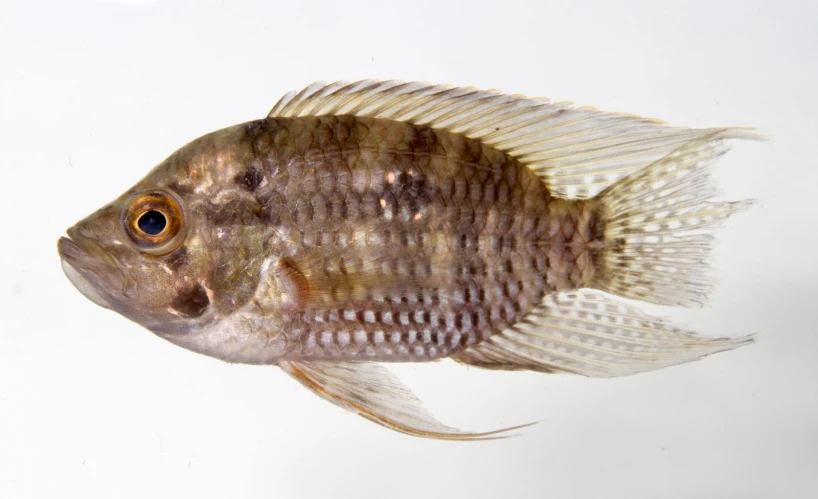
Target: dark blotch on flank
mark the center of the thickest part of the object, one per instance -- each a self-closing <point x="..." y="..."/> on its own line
<point x="192" y="303"/>
<point x="249" y="179"/>
<point x="411" y="190"/>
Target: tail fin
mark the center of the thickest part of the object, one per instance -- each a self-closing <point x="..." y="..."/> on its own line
<point x="659" y="225"/>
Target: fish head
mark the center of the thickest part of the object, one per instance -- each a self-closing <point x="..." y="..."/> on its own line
<point x="142" y="256"/>
<point x="152" y="253"/>
<point x="187" y="252"/>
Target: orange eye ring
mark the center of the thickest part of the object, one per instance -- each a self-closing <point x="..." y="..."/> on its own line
<point x="154" y="221"/>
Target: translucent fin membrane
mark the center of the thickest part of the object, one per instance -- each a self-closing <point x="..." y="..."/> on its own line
<point x="587" y="333"/>
<point x="370" y="390"/>
<point x="577" y="151"/>
<point x="659" y="226"/>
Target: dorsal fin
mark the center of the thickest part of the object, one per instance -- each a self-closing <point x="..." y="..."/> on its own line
<point x="577" y="151"/>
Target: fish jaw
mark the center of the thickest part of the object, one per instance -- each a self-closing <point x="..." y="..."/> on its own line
<point x="89" y="268"/>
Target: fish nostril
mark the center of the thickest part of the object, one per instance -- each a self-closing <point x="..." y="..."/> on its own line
<point x="73" y="233"/>
<point x="80" y="234"/>
<point x="80" y="238"/>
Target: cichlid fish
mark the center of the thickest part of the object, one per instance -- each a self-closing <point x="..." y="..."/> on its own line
<point x="372" y="222"/>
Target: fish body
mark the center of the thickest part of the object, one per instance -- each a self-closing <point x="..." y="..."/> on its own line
<point x="400" y="222"/>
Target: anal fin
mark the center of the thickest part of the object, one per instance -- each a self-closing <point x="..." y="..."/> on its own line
<point x="590" y="334"/>
<point x="372" y="391"/>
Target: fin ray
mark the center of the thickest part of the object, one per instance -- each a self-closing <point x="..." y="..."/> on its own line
<point x="659" y="225"/>
<point x="373" y="392"/>
<point x="554" y="139"/>
<point x="590" y="334"/>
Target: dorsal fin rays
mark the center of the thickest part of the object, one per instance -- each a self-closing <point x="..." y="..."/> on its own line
<point x="577" y="151"/>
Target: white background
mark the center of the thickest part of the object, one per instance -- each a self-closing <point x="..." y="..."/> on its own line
<point x="94" y="94"/>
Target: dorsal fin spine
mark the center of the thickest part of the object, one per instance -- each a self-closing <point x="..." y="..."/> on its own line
<point x="576" y="151"/>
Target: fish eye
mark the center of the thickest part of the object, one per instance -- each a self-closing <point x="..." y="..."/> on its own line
<point x="154" y="222"/>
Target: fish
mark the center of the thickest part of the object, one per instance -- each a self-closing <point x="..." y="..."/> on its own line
<point x="372" y="222"/>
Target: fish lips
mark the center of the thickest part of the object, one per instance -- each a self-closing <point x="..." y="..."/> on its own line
<point x="89" y="268"/>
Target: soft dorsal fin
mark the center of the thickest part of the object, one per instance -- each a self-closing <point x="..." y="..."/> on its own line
<point x="577" y="151"/>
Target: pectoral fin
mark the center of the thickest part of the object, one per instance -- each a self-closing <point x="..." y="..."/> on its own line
<point x="373" y="392"/>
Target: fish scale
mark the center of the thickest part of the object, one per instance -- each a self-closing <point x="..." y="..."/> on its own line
<point x="442" y="187"/>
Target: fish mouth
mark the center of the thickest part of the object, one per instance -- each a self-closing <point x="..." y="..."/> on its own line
<point x="87" y="266"/>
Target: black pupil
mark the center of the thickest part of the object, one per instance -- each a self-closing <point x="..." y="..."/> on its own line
<point x="152" y="223"/>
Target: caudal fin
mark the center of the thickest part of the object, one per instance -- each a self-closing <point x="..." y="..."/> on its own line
<point x="659" y="225"/>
